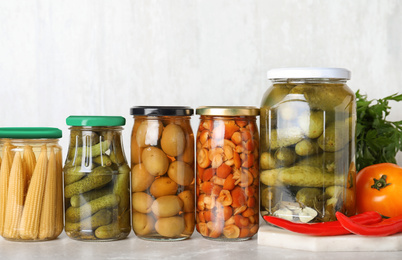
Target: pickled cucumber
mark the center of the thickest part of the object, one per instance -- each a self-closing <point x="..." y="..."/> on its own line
<point x="267" y="161"/>
<point x="121" y="188"/>
<point x="276" y="94"/>
<point x="108" y="231"/>
<point x="267" y="197"/>
<point x="90" y="151"/>
<point x="312" y="123"/>
<point x="73" y="174"/>
<point x="284" y="137"/>
<point x="78" y="137"/>
<point x="102" y="160"/>
<point x="97" y="178"/>
<point x="81" y="199"/>
<point x="119" y="228"/>
<point x="303" y="176"/>
<point x="100" y="218"/>
<point x="285" y="156"/>
<point x="309" y="196"/>
<point x="307" y="147"/>
<point x="336" y="136"/>
<point x="90" y="208"/>
<point x="117" y="154"/>
<point x="324" y="96"/>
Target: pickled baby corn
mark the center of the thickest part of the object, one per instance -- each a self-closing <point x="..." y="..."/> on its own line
<point x="15" y="198"/>
<point x="48" y="215"/>
<point x="29" y="163"/>
<point x="29" y="227"/>
<point x="4" y="180"/>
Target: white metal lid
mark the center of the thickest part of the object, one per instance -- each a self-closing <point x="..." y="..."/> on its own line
<point x="308" y="73"/>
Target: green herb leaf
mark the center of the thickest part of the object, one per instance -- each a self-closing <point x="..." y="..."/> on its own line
<point x="377" y="139"/>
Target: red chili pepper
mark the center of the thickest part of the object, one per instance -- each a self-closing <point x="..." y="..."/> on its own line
<point x="384" y="228"/>
<point x="331" y="228"/>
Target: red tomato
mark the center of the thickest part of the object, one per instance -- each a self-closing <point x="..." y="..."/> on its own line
<point x="379" y="188"/>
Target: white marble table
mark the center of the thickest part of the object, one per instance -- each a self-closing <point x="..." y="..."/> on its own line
<point x="194" y="248"/>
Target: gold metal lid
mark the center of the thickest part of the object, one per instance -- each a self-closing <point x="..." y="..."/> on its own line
<point x="228" y="111"/>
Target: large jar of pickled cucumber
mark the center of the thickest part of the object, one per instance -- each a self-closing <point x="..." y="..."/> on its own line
<point x="162" y="173"/>
<point x="96" y="180"/>
<point x="307" y="163"/>
<point x="227" y="173"/>
<point x="31" y="192"/>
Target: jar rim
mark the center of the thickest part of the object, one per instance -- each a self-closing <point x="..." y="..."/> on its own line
<point x="228" y="111"/>
<point x="95" y="121"/>
<point x="308" y="73"/>
<point x="161" y="111"/>
<point x="30" y="132"/>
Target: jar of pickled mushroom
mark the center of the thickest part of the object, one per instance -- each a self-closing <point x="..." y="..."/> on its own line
<point x="307" y="156"/>
<point x="96" y="180"/>
<point x="227" y="173"/>
<point x="31" y="192"/>
<point x="162" y="173"/>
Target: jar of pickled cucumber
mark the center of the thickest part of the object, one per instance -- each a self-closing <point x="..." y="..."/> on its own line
<point x="227" y="173"/>
<point x="96" y="180"/>
<point x="307" y="156"/>
<point x="31" y="192"/>
<point x="162" y="173"/>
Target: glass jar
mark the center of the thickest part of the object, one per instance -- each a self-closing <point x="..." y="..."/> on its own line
<point x="31" y="192"/>
<point x="162" y="175"/>
<point x="96" y="180"/>
<point x="227" y="173"/>
<point x="307" y="156"/>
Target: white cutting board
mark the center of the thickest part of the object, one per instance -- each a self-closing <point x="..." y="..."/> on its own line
<point x="275" y="237"/>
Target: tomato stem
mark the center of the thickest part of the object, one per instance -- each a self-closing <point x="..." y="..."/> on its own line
<point x="380" y="183"/>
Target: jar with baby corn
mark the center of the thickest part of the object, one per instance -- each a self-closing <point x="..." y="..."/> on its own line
<point x="31" y="192"/>
<point x="307" y="154"/>
<point x="227" y="173"/>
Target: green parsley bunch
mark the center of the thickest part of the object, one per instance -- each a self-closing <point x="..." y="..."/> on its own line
<point x="377" y="139"/>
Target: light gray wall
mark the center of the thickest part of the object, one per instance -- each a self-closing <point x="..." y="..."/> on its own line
<point x="59" y="58"/>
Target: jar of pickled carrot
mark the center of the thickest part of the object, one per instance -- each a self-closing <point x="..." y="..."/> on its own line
<point x="96" y="180"/>
<point x="227" y="173"/>
<point x="31" y="192"/>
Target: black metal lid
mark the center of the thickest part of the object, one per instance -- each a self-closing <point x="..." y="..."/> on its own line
<point x="161" y="111"/>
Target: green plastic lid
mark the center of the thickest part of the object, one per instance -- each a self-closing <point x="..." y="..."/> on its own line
<point x="95" y="121"/>
<point x="30" y="132"/>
